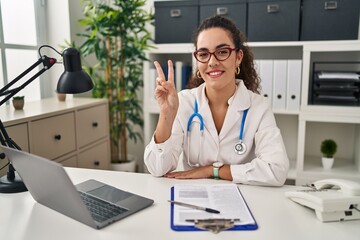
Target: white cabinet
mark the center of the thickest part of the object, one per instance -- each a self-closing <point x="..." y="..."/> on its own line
<point x="304" y="126"/>
<point x="74" y="133"/>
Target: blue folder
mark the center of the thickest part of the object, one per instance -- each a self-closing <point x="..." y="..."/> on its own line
<point x="193" y="228"/>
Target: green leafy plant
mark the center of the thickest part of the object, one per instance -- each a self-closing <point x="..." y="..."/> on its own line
<point x="328" y="148"/>
<point x="18" y="97"/>
<point x="116" y="32"/>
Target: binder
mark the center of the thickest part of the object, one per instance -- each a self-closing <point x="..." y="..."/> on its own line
<point x="191" y="227"/>
<point x="293" y="85"/>
<point x="279" y="92"/>
<point x="266" y="75"/>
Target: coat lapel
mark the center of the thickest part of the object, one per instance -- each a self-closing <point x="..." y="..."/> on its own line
<point x="237" y="104"/>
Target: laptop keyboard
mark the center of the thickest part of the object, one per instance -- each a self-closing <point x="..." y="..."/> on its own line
<point x="101" y="210"/>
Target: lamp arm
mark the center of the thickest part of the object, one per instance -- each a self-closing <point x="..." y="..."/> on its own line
<point x="46" y="61"/>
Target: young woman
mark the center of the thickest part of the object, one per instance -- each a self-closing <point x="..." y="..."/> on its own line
<point x="223" y="127"/>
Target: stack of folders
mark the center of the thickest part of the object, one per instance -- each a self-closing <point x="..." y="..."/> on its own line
<point x="281" y="83"/>
<point x="336" y="88"/>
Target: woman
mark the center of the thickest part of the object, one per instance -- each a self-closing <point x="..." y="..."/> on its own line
<point x="238" y="140"/>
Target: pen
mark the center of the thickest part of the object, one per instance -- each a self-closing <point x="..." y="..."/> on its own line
<point x="210" y="210"/>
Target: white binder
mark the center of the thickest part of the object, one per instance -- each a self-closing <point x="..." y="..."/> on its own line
<point x="266" y="75"/>
<point x="293" y="85"/>
<point x="279" y="92"/>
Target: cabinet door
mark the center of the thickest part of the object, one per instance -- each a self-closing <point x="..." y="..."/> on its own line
<point x="95" y="157"/>
<point x="54" y="136"/>
<point x="92" y="124"/>
<point x="69" y="162"/>
<point x="19" y="133"/>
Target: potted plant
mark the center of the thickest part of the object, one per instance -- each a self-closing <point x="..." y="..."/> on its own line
<point x="18" y="102"/>
<point x="328" y="149"/>
<point x="116" y="33"/>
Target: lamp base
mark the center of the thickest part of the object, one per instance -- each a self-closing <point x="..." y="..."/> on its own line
<point x="14" y="186"/>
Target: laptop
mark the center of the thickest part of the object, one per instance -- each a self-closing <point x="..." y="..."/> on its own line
<point x="91" y="202"/>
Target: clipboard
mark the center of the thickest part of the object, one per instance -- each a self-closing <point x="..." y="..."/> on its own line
<point x="192" y="227"/>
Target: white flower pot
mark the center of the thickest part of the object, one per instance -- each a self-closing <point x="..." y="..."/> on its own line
<point x="129" y="166"/>
<point x="327" y="162"/>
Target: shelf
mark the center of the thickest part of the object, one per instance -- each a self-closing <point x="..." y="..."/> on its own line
<point x="315" y="46"/>
<point x="303" y="129"/>
<point x="342" y="168"/>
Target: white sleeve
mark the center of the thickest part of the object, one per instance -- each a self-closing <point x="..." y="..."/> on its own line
<point x="271" y="163"/>
<point x="163" y="158"/>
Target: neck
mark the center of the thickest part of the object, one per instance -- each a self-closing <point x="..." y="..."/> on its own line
<point x="220" y="97"/>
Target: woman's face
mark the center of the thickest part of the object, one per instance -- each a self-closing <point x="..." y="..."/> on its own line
<point x="218" y="74"/>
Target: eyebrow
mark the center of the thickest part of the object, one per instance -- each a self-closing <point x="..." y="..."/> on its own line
<point x="217" y="47"/>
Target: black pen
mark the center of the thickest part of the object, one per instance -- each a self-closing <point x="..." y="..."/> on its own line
<point x="209" y="210"/>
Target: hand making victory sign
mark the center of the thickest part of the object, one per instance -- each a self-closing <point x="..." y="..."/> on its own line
<point x="168" y="101"/>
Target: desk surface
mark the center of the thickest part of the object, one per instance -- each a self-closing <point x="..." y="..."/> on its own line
<point x="278" y="217"/>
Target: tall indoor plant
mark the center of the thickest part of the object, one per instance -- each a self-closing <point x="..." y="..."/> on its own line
<point x="116" y="33"/>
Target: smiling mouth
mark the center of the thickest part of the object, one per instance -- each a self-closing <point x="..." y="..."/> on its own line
<point x="215" y="74"/>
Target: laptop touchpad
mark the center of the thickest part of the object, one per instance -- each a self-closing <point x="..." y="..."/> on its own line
<point x="110" y="194"/>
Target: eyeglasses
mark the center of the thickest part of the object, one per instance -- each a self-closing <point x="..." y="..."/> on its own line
<point x="220" y="54"/>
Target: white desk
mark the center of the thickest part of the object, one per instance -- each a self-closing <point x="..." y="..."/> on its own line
<point x="278" y="218"/>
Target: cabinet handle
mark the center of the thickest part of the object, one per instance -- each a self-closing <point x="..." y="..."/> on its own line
<point x="221" y="11"/>
<point x="265" y="95"/>
<point x="57" y="137"/>
<point x="95" y="124"/>
<point x="273" y="8"/>
<point x="293" y="97"/>
<point x="330" y="5"/>
<point x="279" y="96"/>
<point x="97" y="163"/>
<point x="174" y="13"/>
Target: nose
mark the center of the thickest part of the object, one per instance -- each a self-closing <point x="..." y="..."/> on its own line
<point x="213" y="61"/>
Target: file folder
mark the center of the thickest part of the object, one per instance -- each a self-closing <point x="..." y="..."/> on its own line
<point x="191" y="227"/>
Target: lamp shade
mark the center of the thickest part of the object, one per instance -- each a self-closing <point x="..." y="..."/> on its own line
<point x="74" y="79"/>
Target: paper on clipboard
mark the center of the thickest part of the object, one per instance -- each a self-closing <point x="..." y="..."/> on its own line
<point x="223" y="197"/>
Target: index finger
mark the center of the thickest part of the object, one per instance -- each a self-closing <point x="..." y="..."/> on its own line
<point x="159" y="70"/>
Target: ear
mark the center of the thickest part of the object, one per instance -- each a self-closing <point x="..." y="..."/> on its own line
<point x="239" y="57"/>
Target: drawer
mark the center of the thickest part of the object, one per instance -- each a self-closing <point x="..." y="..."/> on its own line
<point x="233" y="9"/>
<point x="54" y="136"/>
<point x="69" y="162"/>
<point x="270" y="20"/>
<point x="97" y="156"/>
<point x="330" y="19"/>
<point x="19" y="133"/>
<point x="175" y="21"/>
<point x="92" y="124"/>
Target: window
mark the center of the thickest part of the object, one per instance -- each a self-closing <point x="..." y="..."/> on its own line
<point x="20" y="39"/>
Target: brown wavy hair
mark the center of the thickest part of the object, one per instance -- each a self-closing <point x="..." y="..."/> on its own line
<point x="247" y="70"/>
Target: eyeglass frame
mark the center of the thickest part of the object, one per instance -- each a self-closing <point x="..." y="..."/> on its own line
<point x="213" y="53"/>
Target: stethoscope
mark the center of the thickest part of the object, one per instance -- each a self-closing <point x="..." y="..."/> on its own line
<point x="240" y="147"/>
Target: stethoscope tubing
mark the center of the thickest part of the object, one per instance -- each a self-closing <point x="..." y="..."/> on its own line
<point x="199" y="116"/>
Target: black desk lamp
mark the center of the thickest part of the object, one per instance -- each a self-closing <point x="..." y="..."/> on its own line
<point x="72" y="80"/>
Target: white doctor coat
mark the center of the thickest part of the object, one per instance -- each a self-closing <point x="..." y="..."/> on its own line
<point x="264" y="163"/>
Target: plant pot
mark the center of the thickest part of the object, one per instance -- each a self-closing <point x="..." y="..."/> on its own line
<point x="327" y="162"/>
<point x="128" y="166"/>
<point x="61" y="97"/>
<point x="18" y="104"/>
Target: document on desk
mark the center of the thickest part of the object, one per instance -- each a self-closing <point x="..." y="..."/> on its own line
<point x="225" y="198"/>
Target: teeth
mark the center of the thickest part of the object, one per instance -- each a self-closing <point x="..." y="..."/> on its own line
<point x="214" y="73"/>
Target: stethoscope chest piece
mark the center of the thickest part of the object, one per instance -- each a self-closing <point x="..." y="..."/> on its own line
<point x="240" y="148"/>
